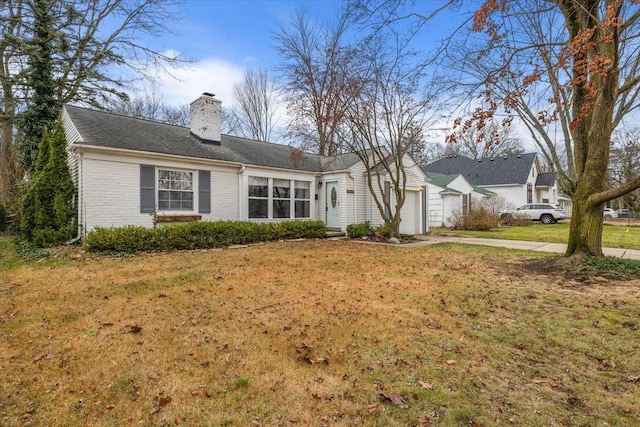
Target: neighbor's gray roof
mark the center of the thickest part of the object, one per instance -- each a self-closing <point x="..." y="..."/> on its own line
<point x="512" y="169"/>
<point x="102" y="129"/>
<point x="545" y="179"/>
<point x="442" y="180"/>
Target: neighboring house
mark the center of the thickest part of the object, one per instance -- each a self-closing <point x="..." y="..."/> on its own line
<point x="566" y="202"/>
<point x="131" y="171"/>
<point x="451" y="195"/>
<point x="517" y="178"/>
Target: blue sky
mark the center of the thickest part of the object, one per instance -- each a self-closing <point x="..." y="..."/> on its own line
<point x="226" y="37"/>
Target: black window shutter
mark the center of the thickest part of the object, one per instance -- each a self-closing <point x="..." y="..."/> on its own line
<point x="204" y="191"/>
<point x="147" y="189"/>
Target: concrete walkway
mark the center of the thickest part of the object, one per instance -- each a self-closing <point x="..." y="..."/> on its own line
<point x="519" y="244"/>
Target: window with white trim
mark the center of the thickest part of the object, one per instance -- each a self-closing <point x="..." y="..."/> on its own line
<point x="276" y="198"/>
<point x="175" y="190"/>
<point x="302" y="199"/>
<point x="258" y="197"/>
<point x="281" y="198"/>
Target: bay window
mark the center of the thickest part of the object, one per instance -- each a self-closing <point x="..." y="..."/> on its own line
<point x="258" y="197"/>
<point x="276" y="198"/>
<point x="281" y="198"/>
<point x="303" y="199"/>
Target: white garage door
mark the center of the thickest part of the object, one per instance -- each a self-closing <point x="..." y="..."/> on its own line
<point x="410" y="213"/>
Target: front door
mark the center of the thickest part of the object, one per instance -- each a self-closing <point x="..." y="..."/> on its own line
<point x="333" y="204"/>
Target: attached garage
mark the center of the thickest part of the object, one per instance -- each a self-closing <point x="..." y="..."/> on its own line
<point x="410" y="214"/>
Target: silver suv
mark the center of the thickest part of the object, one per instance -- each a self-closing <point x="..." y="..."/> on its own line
<point x="544" y="212"/>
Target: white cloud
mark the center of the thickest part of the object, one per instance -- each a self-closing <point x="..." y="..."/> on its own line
<point x="211" y="75"/>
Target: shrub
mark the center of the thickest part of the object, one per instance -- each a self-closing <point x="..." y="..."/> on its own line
<point x="359" y="230"/>
<point x="515" y="220"/>
<point x="48" y="214"/>
<point x="383" y="230"/>
<point x="197" y="235"/>
<point x="3" y="218"/>
<point x="479" y="219"/>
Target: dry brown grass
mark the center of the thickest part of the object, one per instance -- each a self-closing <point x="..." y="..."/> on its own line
<point x="316" y="333"/>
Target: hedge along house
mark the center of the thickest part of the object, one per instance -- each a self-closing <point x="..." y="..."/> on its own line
<point x="131" y="171"/>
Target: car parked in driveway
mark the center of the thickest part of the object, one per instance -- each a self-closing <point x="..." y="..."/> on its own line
<point x="623" y="213"/>
<point x="543" y="212"/>
<point x="609" y="213"/>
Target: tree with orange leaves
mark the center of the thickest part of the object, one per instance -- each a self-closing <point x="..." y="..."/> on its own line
<point x="570" y="71"/>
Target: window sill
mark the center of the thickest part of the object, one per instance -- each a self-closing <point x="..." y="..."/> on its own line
<point x="178" y="218"/>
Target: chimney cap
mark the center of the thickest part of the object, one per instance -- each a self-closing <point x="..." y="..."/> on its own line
<point x="208" y="94"/>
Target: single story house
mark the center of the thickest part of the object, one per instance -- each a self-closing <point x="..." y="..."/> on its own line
<point x="517" y="178"/>
<point x="131" y="171"/>
<point x="451" y="195"/>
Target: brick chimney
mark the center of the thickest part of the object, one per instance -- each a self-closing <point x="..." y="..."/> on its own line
<point x="206" y="118"/>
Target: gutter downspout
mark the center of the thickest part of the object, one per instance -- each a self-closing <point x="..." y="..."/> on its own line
<point x="355" y="199"/>
<point x="244" y="215"/>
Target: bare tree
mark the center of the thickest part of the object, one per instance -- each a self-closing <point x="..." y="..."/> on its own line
<point x="256" y="109"/>
<point x="386" y="108"/>
<point x="625" y="163"/>
<point x="151" y="105"/>
<point x="493" y="140"/>
<point x="312" y="80"/>
<point x="230" y="122"/>
<point x="570" y="71"/>
<point x="92" y="36"/>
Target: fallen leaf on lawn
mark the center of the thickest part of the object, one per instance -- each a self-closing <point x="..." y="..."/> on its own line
<point x="194" y="321"/>
<point x="451" y="361"/>
<point x="634" y="378"/>
<point x="423" y="421"/>
<point x="194" y="393"/>
<point x="426" y="386"/>
<point x="373" y="408"/>
<point x="135" y="329"/>
<point x="395" y="399"/>
<point x="179" y="419"/>
<point x="537" y="381"/>
<point x="27" y="414"/>
<point x="162" y="401"/>
<point x="108" y="408"/>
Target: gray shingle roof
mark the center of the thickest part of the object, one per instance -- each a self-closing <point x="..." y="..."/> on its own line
<point x="512" y="169"/>
<point x="545" y="180"/>
<point x="442" y="180"/>
<point x="102" y="129"/>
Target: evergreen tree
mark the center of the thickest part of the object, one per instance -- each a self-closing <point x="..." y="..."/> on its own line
<point x="49" y="216"/>
<point x="43" y="108"/>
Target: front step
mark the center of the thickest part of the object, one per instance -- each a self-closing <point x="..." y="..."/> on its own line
<point x="336" y="233"/>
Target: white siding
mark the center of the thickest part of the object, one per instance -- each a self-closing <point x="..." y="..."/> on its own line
<point x="436" y="206"/>
<point x="515" y="195"/>
<point x="366" y="208"/>
<point x="111" y="190"/>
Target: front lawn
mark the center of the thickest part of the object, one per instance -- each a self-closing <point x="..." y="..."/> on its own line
<point x="613" y="236"/>
<point x="317" y="333"/>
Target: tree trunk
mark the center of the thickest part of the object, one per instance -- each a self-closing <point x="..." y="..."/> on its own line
<point x="7" y="167"/>
<point x="585" y="233"/>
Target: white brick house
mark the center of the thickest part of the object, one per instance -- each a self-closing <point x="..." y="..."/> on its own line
<point x="131" y="171"/>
